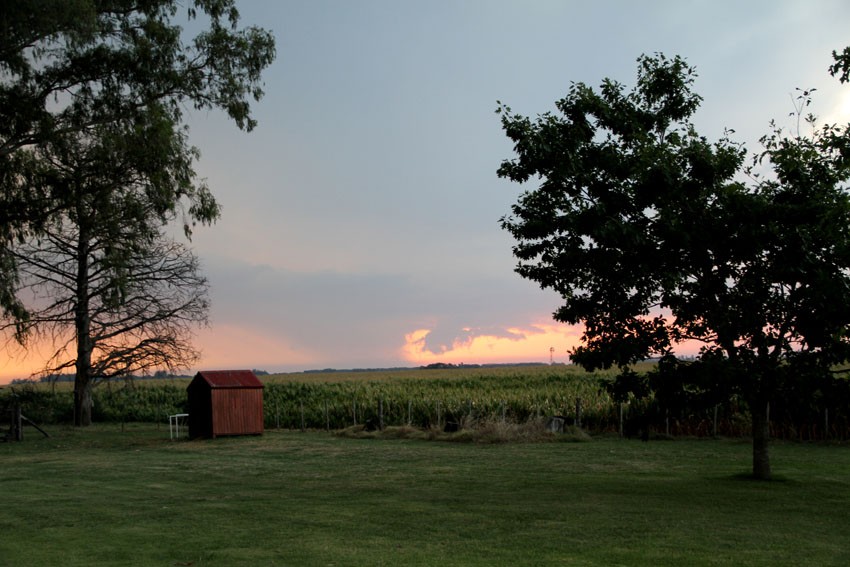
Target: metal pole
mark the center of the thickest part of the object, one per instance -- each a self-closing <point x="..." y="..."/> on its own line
<point x="826" y="424"/>
<point x="621" y="419"/>
<point x="19" y="430"/>
<point x="715" y="422"/>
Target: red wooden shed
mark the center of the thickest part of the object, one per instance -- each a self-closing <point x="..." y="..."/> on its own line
<point x="225" y="402"/>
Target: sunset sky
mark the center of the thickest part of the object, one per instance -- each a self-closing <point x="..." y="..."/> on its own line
<point x="360" y="219"/>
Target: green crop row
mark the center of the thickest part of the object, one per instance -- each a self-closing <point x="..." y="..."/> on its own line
<point x="447" y="398"/>
<point x="318" y="403"/>
<point x="436" y="401"/>
<point x="110" y="402"/>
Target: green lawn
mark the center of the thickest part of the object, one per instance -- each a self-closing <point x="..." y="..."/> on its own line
<point x="103" y="497"/>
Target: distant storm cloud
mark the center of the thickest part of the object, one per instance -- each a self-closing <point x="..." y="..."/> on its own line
<point x="442" y="339"/>
<point x="533" y="343"/>
<point x="343" y="319"/>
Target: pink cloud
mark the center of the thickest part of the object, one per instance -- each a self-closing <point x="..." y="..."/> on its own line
<point x="517" y="344"/>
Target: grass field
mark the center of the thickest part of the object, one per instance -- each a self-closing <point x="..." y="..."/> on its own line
<point x="100" y="496"/>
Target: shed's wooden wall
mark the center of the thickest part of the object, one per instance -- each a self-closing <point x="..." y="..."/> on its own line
<point x="237" y="411"/>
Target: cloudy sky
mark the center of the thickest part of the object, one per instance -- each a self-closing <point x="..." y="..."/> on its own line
<point x="360" y="219"/>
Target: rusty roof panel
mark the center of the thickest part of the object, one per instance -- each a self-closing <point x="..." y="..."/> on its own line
<point x="230" y="378"/>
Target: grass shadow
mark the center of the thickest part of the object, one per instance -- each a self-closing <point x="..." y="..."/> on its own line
<point x="748" y="477"/>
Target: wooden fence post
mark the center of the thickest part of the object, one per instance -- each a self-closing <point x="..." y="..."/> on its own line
<point x="826" y="424"/>
<point x="18" y="425"/>
<point x="714" y="428"/>
<point x="621" y="419"/>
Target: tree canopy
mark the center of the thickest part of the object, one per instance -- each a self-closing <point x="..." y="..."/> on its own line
<point x="103" y="282"/>
<point x="654" y="236"/>
<point x="68" y="67"/>
<point x="95" y="163"/>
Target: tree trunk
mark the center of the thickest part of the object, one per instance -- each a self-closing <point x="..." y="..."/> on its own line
<point x="82" y="401"/>
<point x="761" y="438"/>
<point x="82" y="327"/>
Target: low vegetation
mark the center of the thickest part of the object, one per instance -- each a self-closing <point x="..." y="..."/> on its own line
<point x="100" y="496"/>
<point x="487" y="431"/>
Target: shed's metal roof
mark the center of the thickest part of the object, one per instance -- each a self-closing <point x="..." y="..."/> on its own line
<point x="229" y="378"/>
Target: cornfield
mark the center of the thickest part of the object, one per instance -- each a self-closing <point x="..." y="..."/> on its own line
<point x="441" y="398"/>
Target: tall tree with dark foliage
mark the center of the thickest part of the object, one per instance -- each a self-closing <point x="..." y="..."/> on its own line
<point x="653" y="235"/>
<point x="104" y="283"/>
<point x="92" y="99"/>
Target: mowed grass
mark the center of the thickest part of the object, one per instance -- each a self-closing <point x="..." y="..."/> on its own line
<point x="101" y="496"/>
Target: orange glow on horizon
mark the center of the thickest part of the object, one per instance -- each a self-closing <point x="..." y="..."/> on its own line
<point x="222" y="346"/>
<point x="11" y="369"/>
<point x="529" y="344"/>
<point x="234" y="346"/>
<point x="19" y="362"/>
